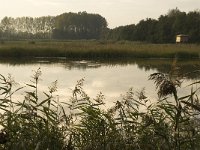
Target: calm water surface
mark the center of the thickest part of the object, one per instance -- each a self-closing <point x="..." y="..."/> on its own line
<point x="111" y="78"/>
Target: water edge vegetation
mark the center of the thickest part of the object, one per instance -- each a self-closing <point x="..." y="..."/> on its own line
<point x="97" y="49"/>
<point x="172" y="122"/>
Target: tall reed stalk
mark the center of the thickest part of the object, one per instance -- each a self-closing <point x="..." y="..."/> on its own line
<point x="83" y="123"/>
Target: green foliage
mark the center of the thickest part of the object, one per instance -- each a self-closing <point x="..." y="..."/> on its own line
<point x="82" y="25"/>
<point x="84" y="123"/>
<point x="26" y="28"/>
<point x="162" y="30"/>
<point x="79" y="26"/>
<point x="65" y="26"/>
<point x="31" y="123"/>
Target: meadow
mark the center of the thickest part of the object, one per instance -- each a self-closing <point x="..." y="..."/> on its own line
<point x="92" y="49"/>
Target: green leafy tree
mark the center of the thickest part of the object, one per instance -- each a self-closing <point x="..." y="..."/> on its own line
<point x="79" y="26"/>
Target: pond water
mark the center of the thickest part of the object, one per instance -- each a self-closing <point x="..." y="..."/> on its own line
<point x="112" y="78"/>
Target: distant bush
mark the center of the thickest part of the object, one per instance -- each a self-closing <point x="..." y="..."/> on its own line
<point x="31" y="42"/>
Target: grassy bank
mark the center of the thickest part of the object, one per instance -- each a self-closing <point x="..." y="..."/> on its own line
<point x="97" y="49"/>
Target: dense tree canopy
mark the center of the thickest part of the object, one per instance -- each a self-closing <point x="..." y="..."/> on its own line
<point x="26" y="27"/>
<point x="65" y="26"/>
<point x="83" y="25"/>
<point x="162" y="30"/>
<point x="79" y="26"/>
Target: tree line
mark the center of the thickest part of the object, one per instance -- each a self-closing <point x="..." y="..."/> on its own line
<point x="162" y="30"/>
<point x="65" y="26"/>
<point x="83" y="25"/>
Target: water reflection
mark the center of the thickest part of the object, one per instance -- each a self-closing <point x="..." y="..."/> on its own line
<point x="187" y="67"/>
<point x="112" y="77"/>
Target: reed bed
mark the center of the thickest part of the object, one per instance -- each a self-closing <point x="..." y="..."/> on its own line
<point x="81" y="123"/>
<point x="97" y="49"/>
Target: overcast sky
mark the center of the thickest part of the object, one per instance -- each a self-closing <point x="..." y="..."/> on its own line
<point x="116" y="12"/>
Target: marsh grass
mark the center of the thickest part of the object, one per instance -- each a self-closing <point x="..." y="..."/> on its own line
<point x="97" y="49"/>
<point x="81" y="123"/>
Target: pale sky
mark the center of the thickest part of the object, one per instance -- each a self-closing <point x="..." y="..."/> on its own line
<point x="116" y="12"/>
